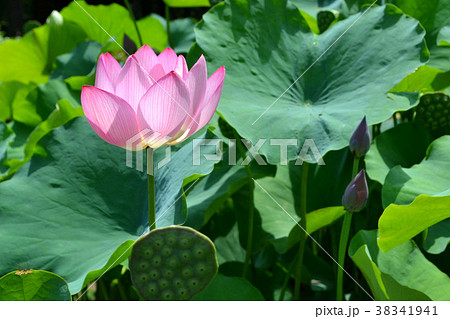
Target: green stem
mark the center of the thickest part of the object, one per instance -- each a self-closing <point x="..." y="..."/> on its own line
<point x="355" y="167"/>
<point x="342" y="251"/>
<point x="169" y="35"/>
<point x="123" y="294"/>
<point x="301" y="251"/>
<point x="286" y="279"/>
<point x="251" y="212"/>
<point x="130" y="10"/>
<point x="151" y="190"/>
<point x="394" y="118"/>
<point x="345" y="231"/>
<point x="102" y="289"/>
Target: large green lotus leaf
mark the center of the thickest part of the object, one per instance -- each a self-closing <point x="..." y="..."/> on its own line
<point x="425" y="79"/>
<point x="33" y="285"/>
<point x="80" y="61"/>
<point x="183" y="37"/>
<point x="63" y="113"/>
<point x="78" y="205"/>
<point x="265" y="47"/>
<point x="15" y="149"/>
<point x="81" y="202"/>
<point x="78" y="81"/>
<point x="23" y="59"/>
<point x="116" y="21"/>
<point x="41" y="101"/>
<point x="152" y="32"/>
<point x="443" y="38"/>
<point x="314" y="221"/>
<point x="6" y="137"/>
<point x="402" y="273"/>
<point x="31" y="106"/>
<point x="440" y="58"/>
<point x="438" y="237"/>
<point x="182" y="32"/>
<point x="430" y="177"/>
<point x="224" y="288"/>
<point x="432" y="14"/>
<point x="284" y="188"/>
<point x="274" y="220"/>
<point x="13" y="93"/>
<point x="405" y="145"/>
<point x="312" y="7"/>
<point x="425" y="211"/>
<point x="229" y="248"/>
<point x="187" y="3"/>
<point x="121" y="254"/>
<point x="62" y="37"/>
<point x="210" y="193"/>
<point x="30" y="59"/>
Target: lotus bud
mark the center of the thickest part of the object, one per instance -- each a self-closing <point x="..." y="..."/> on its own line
<point x="55" y="19"/>
<point x="128" y="45"/>
<point x="356" y="193"/>
<point x="360" y="140"/>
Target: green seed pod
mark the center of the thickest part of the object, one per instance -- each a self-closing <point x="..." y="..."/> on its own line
<point x="326" y="18"/>
<point x="433" y="113"/>
<point x="172" y="263"/>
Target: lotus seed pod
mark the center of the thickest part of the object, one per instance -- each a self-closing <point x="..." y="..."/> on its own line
<point x="172" y="263"/>
<point x="326" y="18"/>
<point x="433" y="112"/>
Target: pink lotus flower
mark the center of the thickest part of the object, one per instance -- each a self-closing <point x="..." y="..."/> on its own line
<point x="153" y="100"/>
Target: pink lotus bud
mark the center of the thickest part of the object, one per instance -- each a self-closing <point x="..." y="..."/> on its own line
<point x="128" y="45"/>
<point x="360" y="140"/>
<point x="356" y="193"/>
<point x="152" y="100"/>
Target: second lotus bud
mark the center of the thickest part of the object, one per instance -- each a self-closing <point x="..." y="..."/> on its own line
<point x="360" y="140"/>
<point x="356" y="193"/>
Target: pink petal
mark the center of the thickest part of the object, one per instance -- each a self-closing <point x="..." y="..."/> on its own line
<point x="107" y="71"/>
<point x="168" y="60"/>
<point x="163" y="108"/>
<point x="196" y="81"/>
<point x="211" y="100"/>
<point x="157" y="72"/>
<point x="146" y="57"/>
<point x="181" y="66"/>
<point x="133" y="82"/>
<point x="112" y="118"/>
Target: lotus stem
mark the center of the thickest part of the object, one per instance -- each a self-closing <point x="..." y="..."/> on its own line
<point x="345" y="231"/>
<point x="130" y="10"/>
<point x="286" y="279"/>
<point x="169" y="35"/>
<point x="251" y="212"/>
<point x="301" y="251"/>
<point x="151" y="190"/>
<point x="251" y="216"/>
